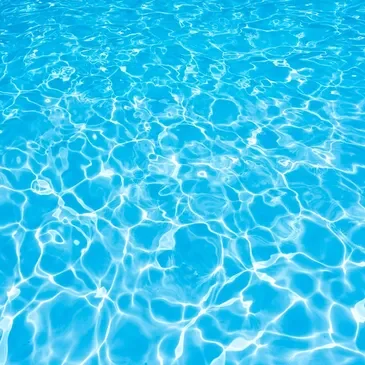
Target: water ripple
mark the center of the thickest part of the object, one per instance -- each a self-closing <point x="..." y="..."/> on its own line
<point x="182" y="183"/>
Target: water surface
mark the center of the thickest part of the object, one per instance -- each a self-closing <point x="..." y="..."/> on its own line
<point x="182" y="182"/>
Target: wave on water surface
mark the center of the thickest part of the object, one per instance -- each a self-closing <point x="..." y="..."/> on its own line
<point x="182" y="183"/>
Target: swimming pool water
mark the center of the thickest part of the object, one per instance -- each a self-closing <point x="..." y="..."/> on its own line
<point x="182" y="182"/>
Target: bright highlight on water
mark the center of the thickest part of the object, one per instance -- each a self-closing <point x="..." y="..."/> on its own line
<point x="182" y="183"/>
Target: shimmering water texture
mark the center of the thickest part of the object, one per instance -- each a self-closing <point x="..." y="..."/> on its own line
<point x="182" y="183"/>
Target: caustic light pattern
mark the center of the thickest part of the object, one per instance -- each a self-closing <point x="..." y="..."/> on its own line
<point x="182" y="182"/>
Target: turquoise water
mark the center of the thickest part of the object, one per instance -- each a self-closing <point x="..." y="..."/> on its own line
<point x="182" y="182"/>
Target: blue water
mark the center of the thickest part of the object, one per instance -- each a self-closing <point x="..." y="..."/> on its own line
<point x="182" y="182"/>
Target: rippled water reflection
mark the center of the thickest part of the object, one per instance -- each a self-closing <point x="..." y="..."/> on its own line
<point x="182" y="182"/>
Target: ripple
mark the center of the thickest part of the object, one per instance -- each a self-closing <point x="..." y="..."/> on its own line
<point x="182" y="183"/>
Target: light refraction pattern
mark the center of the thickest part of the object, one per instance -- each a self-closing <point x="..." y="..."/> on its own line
<point x="182" y="182"/>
